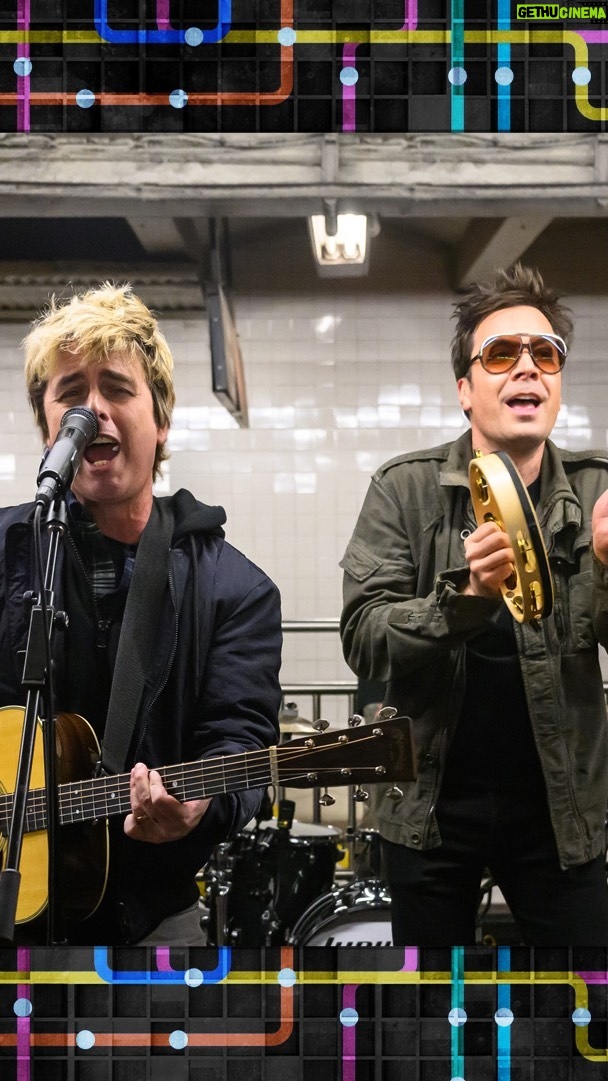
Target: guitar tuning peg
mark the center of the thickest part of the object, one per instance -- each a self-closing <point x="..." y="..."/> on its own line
<point x="395" y="794"/>
<point x="326" y="800"/>
<point x="360" y="795"/>
<point x="355" y="720"/>
<point x="320" y="725"/>
<point x="386" y="713"/>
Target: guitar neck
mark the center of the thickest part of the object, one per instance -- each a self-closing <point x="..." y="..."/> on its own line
<point x="103" y="797"/>
<point x="372" y="753"/>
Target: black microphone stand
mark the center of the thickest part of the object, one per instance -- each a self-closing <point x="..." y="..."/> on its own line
<point x="37" y="677"/>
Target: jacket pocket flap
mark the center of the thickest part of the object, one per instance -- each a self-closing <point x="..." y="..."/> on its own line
<point x="359" y="562"/>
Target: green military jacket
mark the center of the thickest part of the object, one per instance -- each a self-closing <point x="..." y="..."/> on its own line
<point x="405" y="623"/>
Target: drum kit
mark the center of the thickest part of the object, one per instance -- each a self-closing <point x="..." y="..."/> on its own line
<point x="278" y="882"/>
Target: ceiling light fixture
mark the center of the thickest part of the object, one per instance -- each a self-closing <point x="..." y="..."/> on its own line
<point x="340" y="243"/>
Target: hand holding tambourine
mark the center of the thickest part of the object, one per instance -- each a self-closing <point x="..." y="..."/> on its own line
<point x="511" y="549"/>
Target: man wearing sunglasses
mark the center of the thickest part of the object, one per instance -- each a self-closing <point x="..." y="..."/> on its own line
<point x="509" y="718"/>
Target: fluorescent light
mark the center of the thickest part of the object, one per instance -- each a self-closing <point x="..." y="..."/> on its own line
<point x="345" y="252"/>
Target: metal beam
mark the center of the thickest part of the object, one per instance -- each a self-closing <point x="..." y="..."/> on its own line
<point x="287" y="175"/>
<point x="488" y="245"/>
<point x="157" y="236"/>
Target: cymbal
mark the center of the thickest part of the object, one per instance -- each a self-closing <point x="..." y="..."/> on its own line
<point x="294" y="725"/>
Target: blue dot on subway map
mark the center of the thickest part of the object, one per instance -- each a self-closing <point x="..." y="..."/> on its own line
<point x="581" y="76"/>
<point x="194" y="977"/>
<point x="457" y="76"/>
<point x="286" y="35"/>
<point x="503" y="1017"/>
<point x="503" y="76"/>
<point x="581" y="1016"/>
<point x="22" y="1007"/>
<point x="349" y="1017"/>
<point x="85" y="1040"/>
<point x="349" y="76"/>
<point x="85" y="98"/>
<point x="22" y="65"/>
<point x="194" y="36"/>
<point x="178" y="99"/>
<point x="178" y="1040"/>
<point x="457" y="1017"/>
<point x="286" y="977"/>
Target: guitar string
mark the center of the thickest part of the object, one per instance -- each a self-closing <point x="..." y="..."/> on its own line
<point x="216" y="774"/>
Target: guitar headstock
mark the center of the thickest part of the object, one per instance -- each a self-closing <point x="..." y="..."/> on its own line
<point x="374" y="753"/>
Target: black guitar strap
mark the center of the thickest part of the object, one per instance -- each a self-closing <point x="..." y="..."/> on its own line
<point x="137" y="636"/>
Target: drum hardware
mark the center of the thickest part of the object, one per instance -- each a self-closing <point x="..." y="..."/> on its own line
<point x="290" y="722"/>
<point x="499" y="495"/>
<point x="217" y="889"/>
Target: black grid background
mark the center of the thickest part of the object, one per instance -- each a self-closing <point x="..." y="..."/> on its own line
<point x="400" y="87"/>
<point x="402" y="1033"/>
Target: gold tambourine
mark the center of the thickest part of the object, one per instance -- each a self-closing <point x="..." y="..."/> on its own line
<point x="500" y="495"/>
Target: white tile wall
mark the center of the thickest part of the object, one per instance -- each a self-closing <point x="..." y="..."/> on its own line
<point x="336" y="385"/>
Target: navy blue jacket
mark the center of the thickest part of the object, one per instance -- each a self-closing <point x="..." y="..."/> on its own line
<point x="212" y="688"/>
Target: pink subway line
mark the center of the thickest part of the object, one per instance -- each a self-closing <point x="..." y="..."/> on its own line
<point x="163" y="953"/>
<point x="349" y="93"/>
<point x="23" y="81"/>
<point x="349" y="1038"/>
<point x="23" y="1023"/>
<point x="410" y="962"/>
<point x="593" y="977"/>
<point x="349" y="996"/>
<point x="163" y="21"/>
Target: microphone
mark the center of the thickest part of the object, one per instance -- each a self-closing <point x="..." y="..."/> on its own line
<point x="60" y="464"/>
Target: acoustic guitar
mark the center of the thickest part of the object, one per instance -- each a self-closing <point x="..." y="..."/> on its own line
<point x="376" y="752"/>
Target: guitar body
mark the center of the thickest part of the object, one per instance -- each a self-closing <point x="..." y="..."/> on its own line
<point x="83" y="848"/>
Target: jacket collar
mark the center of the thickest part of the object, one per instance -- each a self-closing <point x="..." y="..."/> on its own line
<point x="558" y="506"/>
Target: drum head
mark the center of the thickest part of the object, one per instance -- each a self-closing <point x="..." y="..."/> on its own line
<point x="355" y="915"/>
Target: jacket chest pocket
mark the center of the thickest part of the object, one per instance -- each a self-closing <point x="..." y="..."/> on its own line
<point x="573" y="586"/>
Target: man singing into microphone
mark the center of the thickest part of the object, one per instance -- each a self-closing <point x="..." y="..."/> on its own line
<point x="509" y="719"/>
<point x="211" y="679"/>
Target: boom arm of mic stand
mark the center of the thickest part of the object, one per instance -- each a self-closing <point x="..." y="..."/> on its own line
<point x="36" y="678"/>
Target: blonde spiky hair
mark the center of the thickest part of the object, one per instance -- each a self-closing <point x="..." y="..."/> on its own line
<point x="92" y="325"/>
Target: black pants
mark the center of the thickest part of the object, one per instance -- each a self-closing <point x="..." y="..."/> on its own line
<point x="435" y="893"/>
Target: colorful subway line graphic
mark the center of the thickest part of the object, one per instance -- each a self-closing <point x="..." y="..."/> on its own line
<point x="297" y="997"/>
<point x="300" y="67"/>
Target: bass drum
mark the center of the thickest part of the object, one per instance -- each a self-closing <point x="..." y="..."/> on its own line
<point x="358" y="914"/>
